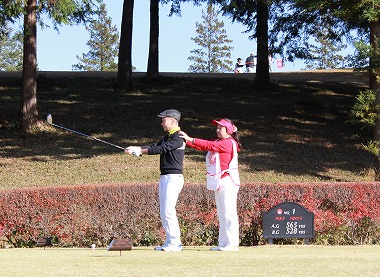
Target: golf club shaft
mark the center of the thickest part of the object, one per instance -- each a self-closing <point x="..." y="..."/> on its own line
<point x="92" y="137"/>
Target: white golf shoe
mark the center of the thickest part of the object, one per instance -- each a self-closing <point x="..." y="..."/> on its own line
<point x="172" y="248"/>
<point x="229" y="248"/>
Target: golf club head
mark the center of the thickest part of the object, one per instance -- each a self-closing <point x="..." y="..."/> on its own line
<point x="49" y="119"/>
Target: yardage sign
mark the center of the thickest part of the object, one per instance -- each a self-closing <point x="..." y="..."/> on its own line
<point x="288" y="220"/>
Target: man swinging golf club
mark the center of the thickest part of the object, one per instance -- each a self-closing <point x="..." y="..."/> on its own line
<point x="172" y="150"/>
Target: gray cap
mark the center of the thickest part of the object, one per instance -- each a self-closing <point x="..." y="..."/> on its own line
<point x="170" y="113"/>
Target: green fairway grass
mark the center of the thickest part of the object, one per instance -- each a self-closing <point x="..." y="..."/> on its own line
<point x="301" y="260"/>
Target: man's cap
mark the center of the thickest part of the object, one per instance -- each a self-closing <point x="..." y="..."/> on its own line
<point x="170" y="113"/>
<point x="252" y="54"/>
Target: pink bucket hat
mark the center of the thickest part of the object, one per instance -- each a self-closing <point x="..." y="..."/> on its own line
<point x="229" y="127"/>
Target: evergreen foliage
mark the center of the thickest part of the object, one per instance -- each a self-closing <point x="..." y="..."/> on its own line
<point x="214" y="54"/>
<point x="366" y="109"/>
<point x="360" y="58"/>
<point x="103" y="44"/>
<point x="11" y="50"/>
<point x="325" y="52"/>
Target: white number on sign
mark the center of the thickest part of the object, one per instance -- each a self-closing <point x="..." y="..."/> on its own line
<point x="291" y="228"/>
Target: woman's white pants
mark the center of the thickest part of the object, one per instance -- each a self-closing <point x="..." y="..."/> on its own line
<point x="226" y="204"/>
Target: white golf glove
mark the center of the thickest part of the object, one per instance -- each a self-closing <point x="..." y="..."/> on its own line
<point x="134" y="150"/>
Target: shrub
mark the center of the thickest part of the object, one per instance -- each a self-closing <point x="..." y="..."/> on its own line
<point x="344" y="213"/>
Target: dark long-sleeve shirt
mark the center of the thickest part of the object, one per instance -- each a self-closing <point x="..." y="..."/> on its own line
<point x="172" y="151"/>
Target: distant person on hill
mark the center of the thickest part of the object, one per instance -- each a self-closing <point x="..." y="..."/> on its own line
<point x="223" y="178"/>
<point x="172" y="150"/>
<point x="239" y="66"/>
<point x="250" y="63"/>
<point x="270" y="61"/>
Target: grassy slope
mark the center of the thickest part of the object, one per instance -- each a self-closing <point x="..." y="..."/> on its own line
<point x="296" y="131"/>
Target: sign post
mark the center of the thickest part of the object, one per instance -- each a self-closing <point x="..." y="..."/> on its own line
<point x="288" y="220"/>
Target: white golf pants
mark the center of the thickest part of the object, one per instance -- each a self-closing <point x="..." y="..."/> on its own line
<point x="169" y="187"/>
<point x="250" y="70"/>
<point x="226" y="205"/>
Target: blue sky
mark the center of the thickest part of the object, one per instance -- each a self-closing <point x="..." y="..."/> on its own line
<point x="58" y="51"/>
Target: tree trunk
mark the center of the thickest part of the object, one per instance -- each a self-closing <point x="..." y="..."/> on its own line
<point x="374" y="84"/>
<point x="124" y="73"/>
<point x="152" y="71"/>
<point x="262" y="78"/>
<point x="374" y="37"/>
<point x="28" y="105"/>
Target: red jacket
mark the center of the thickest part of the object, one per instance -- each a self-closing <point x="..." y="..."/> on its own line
<point x="223" y="146"/>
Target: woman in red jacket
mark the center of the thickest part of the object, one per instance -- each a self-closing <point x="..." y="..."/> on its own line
<point x="223" y="178"/>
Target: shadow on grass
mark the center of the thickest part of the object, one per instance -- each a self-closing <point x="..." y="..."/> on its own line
<point x="293" y="128"/>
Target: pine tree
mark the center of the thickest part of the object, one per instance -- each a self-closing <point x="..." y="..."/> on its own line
<point x="59" y="12"/>
<point x="325" y="53"/>
<point x="11" y="50"/>
<point x="103" y="44"/>
<point x="215" y="53"/>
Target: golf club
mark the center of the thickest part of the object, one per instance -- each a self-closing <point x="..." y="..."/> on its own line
<point x="49" y="120"/>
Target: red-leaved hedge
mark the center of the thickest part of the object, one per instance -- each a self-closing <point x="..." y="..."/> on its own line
<point x="344" y="213"/>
